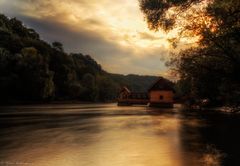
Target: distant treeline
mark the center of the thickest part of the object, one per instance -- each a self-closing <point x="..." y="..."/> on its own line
<point x="33" y="70"/>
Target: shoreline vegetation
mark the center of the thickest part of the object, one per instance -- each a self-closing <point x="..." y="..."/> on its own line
<point x="53" y="102"/>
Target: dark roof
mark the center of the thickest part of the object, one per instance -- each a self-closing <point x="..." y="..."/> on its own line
<point x="125" y="89"/>
<point x="162" y="84"/>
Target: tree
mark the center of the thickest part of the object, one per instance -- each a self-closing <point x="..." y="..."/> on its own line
<point x="89" y="83"/>
<point x="213" y="64"/>
<point x="58" y="46"/>
<point x="108" y="90"/>
<point x="37" y="84"/>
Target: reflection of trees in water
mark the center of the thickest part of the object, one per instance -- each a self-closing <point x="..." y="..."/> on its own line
<point x="212" y="136"/>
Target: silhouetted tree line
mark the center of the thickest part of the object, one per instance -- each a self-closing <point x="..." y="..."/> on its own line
<point x="212" y="69"/>
<point x="33" y="70"/>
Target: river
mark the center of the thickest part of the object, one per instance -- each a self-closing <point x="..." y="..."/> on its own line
<point x="108" y="135"/>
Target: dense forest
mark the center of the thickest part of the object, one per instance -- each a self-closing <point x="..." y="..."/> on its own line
<point x="33" y="70"/>
<point x="210" y="69"/>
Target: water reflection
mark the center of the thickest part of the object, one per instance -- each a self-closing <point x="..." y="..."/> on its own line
<point x="107" y="135"/>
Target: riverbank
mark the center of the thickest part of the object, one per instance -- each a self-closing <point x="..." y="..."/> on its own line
<point x="16" y="103"/>
<point x="222" y="109"/>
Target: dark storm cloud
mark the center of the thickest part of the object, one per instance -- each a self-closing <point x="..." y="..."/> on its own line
<point x="81" y="40"/>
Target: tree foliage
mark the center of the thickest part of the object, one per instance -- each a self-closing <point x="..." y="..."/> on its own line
<point x="212" y="68"/>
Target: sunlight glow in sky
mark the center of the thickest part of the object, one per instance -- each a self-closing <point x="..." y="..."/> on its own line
<point x="112" y="32"/>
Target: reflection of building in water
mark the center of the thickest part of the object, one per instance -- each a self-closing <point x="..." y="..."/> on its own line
<point x="160" y="94"/>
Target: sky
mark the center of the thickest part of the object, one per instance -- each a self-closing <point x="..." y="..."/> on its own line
<point x="114" y="33"/>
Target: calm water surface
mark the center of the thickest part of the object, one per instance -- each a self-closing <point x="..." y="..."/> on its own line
<point x="107" y="135"/>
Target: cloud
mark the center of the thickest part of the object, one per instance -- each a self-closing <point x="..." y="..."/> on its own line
<point x="112" y="32"/>
<point x="148" y="36"/>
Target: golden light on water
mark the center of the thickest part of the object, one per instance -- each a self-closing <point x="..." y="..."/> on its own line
<point x="118" y="143"/>
<point x="105" y="135"/>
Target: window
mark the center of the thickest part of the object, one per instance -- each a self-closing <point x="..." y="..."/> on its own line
<point x="161" y="97"/>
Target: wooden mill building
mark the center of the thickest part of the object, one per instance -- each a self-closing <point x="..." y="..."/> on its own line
<point x="126" y="97"/>
<point x="160" y="94"/>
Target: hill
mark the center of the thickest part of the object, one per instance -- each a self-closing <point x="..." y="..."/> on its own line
<point x="34" y="70"/>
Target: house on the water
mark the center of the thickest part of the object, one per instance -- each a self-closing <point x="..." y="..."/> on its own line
<point x="126" y="97"/>
<point x="160" y="94"/>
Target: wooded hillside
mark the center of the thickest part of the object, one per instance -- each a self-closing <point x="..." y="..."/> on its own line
<point x="33" y="70"/>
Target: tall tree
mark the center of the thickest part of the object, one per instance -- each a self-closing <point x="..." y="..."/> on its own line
<point x="213" y="65"/>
